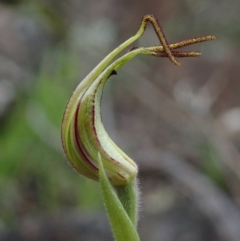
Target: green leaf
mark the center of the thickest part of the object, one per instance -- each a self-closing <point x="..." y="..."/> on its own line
<point x="122" y="226"/>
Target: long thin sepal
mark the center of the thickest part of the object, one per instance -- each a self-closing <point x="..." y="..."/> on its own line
<point x="122" y="226"/>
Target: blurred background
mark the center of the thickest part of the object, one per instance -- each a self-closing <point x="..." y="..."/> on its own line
<point x="180" y="124"/>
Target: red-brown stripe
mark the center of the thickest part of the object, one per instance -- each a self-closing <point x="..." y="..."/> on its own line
<point x="77" y="138"/>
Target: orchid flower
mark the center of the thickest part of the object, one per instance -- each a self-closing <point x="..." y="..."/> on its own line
<point x="88" y="147"/>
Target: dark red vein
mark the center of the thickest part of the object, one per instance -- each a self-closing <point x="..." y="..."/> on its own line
<point x="80" y="147"/>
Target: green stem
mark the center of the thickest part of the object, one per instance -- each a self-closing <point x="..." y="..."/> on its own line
<point x="122" y="226"/>
<point x="128" y="195"/>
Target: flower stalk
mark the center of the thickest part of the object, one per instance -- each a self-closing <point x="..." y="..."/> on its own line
<point x="87" y="145"/>
<point x="119" y="208"/>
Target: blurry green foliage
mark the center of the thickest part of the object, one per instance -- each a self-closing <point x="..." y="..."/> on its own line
<point x="213" y="167"/>
<point x="10" y="2"/>
<point x="34" y="173"/>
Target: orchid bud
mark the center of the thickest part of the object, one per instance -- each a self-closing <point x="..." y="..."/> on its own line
<point x="84" y="138"/>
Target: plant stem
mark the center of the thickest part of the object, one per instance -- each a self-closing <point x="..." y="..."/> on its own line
<point x="128" y="195"/>
<point x="122" y="226"/>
